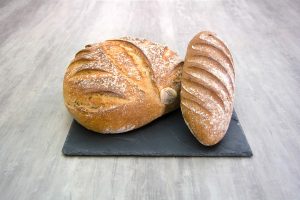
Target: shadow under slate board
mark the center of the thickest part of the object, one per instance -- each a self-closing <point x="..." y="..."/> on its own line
<point x="166" y="136"/>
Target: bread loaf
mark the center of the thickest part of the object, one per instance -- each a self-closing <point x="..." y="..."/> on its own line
<point x="122" y="84"/>
<point x="207" y="88"/>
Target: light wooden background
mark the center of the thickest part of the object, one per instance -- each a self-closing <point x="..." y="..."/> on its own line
<point x="39" y="38"/>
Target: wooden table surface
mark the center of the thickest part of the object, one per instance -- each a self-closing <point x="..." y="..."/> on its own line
<point x="39" y="38"/>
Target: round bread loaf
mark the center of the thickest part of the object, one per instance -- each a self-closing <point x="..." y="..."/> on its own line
<point x="207" y="88"/>
<point x="122" y="84"/>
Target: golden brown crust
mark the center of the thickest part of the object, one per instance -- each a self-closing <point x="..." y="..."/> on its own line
<point x="207" y="88"/>
<point x="116" y="86"/>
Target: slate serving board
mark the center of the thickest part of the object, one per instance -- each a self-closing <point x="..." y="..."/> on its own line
<point x="166" y="136"/>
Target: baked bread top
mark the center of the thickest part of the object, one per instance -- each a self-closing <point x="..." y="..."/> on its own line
<point x="122" y="84"/>
<point x="207" y="91"/>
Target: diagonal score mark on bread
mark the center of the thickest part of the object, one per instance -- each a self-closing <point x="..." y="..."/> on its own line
<point x="214" y="68"/>
<point x="131" y="63"/>
<point x="165" y="69"/>
<point x="218" y="56"/>
<point x="92" y="75"/>
<point x="205" y="76"/>
<point x="210" y="39"/>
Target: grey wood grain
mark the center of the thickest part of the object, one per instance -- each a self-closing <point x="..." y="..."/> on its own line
<point x="39" y="38"/>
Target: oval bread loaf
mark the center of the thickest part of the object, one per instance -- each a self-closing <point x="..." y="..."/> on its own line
<point x="122" y="84"/>
<point x="207" y="88"/>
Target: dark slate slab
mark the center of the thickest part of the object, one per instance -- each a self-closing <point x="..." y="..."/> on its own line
<point x="166" y="136"/>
